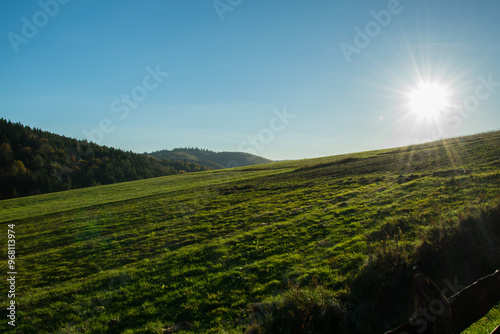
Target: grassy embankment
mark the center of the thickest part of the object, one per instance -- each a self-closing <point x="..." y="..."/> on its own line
<point x="331" y="241"/>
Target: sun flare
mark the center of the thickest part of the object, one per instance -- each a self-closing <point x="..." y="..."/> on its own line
<point x="428" y="100"/>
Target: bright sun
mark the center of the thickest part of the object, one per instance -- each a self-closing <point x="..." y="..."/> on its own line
<point x="428" y="100"/>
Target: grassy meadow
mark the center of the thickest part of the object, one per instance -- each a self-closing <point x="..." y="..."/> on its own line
<point x="306" y="246"/>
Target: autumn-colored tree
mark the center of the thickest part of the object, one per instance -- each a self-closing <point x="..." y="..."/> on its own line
<point x="34" y="161"/>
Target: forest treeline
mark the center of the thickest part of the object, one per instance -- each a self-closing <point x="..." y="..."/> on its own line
<point x="33" y="162"/>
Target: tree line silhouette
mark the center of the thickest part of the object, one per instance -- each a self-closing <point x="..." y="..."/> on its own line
<point x="212" y="159"/>
<point x="33" y="162"/>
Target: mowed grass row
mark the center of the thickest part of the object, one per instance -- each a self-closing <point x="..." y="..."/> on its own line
<point x="30" y="207"/>
<point x="202" y="248"/>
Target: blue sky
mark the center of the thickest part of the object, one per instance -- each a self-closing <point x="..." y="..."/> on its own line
<point x="276" y="78"/>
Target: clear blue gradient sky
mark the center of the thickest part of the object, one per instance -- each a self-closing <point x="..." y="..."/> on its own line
<point x="285" y="79"/>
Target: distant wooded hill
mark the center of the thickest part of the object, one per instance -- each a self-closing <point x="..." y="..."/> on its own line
<point x="33" y="161"/>
<point x="215" y="160"/>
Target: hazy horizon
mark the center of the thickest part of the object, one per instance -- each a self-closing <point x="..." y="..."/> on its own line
<point x="282" y="80"/>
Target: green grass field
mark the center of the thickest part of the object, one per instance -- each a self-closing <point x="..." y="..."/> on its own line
<point x="217" y="252"/>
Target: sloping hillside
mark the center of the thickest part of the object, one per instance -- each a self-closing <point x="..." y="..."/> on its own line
<point x="320" y="245"/>
<point x="216" y="160"/>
